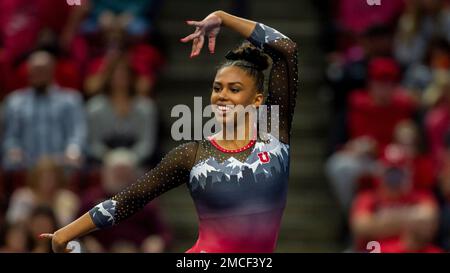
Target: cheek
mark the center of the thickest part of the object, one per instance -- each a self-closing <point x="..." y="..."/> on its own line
<point x="245" y="98"/>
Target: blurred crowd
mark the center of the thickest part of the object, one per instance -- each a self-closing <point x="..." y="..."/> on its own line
<point x="388" y="69"/>
<point x="78" y="118"/>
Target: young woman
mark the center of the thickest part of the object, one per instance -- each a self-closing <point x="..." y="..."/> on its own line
<point x="238" y="186"/>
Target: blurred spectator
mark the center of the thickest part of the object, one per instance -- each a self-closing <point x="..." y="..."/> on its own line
<point x="135" y="16"/>
<point x="358" y="16"/>
<point x="46" y="184"/>
<point x="437" y="119"/>
<point x="376" y="111"/>
<point x="114" y="26"/>
<point x="43" y="119"/>
<point x="120" y="118"/>
<point x="444" y="190"/>
<point x="346" y="167"/>
<point x="22" y="22"/>
<point x="372" y="117"/>
<point x="347" y="71"/>
<point x="417" y="236"/>
<point x="41" y="220"/>
<point x="385" y="213"/>
<point x="67" y="70"/>
<point x="422" y="20"/>
<point x="145" y="60"/>
<point x="424" y="171"/>
<point x="14" y="238"/>
<point x="437" y="59"/>
<point x="144" y="232"/>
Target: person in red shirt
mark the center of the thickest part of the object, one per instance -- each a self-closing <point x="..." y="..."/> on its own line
<point x="424" y="171"/>
<point x="24" y="25"/>
<point x="384" y="213"/>
<point x="376" y="111"/>
<point x="417" y="237"/>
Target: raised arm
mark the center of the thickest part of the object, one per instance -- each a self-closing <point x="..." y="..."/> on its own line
<point x="283" y="82"/>
<point x="171" y="172"/>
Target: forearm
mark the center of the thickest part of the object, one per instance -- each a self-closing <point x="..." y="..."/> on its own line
<point x="378" y="226"/>
<point x="76" y="229"/>
<point x="242" y="26"/>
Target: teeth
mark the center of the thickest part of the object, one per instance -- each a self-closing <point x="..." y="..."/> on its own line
<point x="225" y="107"/>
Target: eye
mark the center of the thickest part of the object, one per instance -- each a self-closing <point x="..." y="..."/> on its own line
<point x="235" y="90"/>
<point x="216" y="88"/>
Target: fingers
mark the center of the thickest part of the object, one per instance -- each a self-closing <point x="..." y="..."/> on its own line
<point x="212" y="43"/>
<point x="197" y="46"/>
<point x="194" y="46"/>
<point x="194" y="23"/>
<point x="46" y="236"/>
<point x="68" y="250"/>
<point x="191" y="37"/>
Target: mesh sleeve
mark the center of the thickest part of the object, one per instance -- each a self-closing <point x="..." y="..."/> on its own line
<point x="283" y="78"/>
<point x="172" y="171"/>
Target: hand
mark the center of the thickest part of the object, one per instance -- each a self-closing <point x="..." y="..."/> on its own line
<point x="209" y="26"/>
<point x="58" y="245"/>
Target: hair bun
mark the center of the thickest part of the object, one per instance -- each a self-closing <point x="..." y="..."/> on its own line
<point x="249" y="53"/>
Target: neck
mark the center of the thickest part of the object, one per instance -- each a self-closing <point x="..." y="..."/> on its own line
<point x="42" y="89"/>
<point x="119" y="93"/>
<point x="243" y="133"/>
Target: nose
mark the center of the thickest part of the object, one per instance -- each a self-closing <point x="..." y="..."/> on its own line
<point x="222" y="95"/>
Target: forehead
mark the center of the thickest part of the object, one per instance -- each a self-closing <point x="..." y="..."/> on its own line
<point x="232" y="74"/>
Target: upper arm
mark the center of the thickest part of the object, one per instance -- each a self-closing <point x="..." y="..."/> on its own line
<point x="283" y="78"/>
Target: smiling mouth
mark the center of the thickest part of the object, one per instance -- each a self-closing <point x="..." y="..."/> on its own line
<point x="224" y="109"/>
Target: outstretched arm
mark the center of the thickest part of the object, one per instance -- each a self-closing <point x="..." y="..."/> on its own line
<point x="171" y="172"/>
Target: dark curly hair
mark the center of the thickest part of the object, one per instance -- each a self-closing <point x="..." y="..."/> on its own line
<point x="250" y="59"/>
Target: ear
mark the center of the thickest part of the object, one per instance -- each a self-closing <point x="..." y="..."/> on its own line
<point x="259" y="98"/>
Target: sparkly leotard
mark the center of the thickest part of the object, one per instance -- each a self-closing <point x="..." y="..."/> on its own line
<point x="239" y="195"/>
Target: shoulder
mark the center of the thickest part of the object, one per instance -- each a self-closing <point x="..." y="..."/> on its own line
<point x="23" y="194"/>
<point x="96" y="103"/>
<point x="144" y="105"/>
<point x="68" y="95"/>
<point x="17" y="97"/>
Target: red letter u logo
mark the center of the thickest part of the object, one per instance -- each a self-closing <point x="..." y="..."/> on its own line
<point x="264" y="157"/>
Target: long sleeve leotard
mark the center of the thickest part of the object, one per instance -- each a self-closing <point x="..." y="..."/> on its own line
<point x="239" y="196"/>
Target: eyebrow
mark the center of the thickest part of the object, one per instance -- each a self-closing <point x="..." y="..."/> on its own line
<point x="230" y="83"/>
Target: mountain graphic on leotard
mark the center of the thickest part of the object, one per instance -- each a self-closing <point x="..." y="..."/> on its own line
<point x="234" y="171"/>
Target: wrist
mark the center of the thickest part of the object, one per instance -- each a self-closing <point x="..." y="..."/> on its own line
<point x="60" y="238"/>
<point x="220" y="14"/>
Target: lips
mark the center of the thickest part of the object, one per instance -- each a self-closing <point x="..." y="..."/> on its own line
<point x="224" y="109"/>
